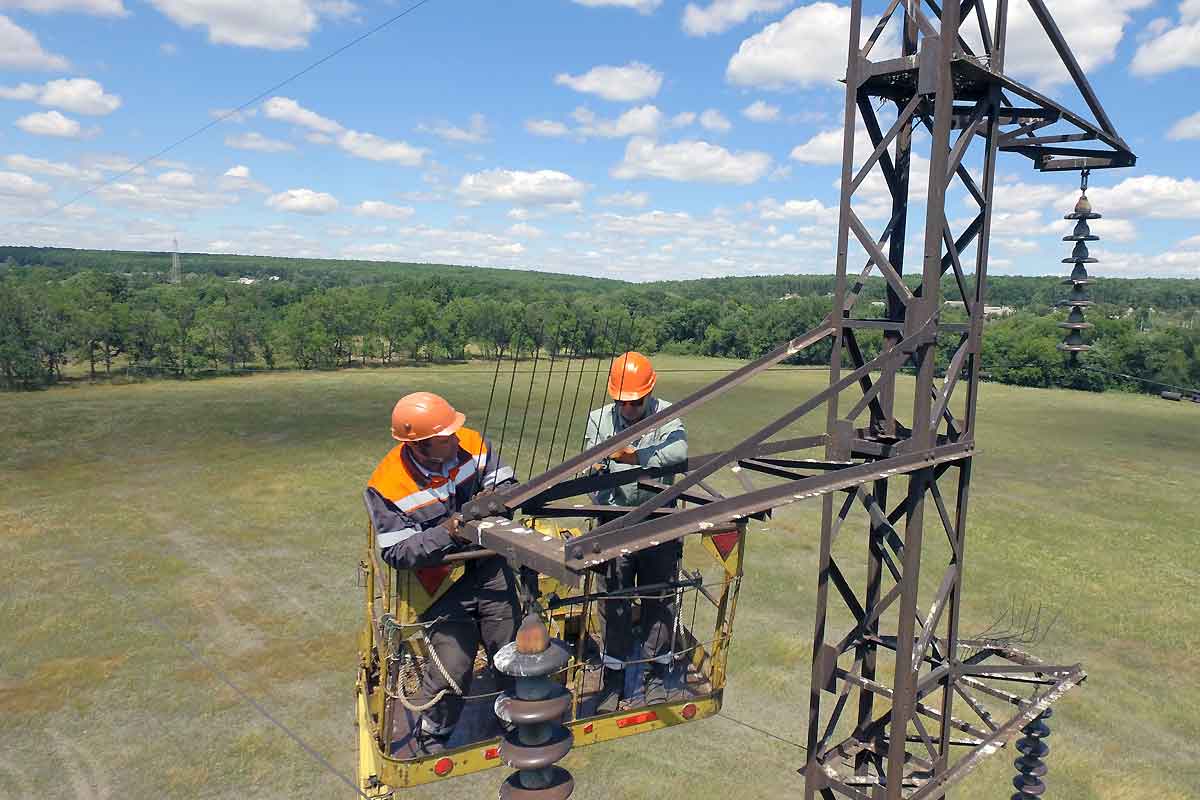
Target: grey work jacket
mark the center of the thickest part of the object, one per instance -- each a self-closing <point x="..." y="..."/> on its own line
<point x="663" y="446"/>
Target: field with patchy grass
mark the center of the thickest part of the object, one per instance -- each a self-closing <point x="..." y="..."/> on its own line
<point x="163" y="542"/>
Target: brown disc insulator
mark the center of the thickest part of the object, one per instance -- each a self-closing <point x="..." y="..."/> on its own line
<point x="534" y="711"/>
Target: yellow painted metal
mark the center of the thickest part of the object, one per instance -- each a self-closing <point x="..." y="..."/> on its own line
<point x="395" y="773"/>
<point x="400" y="594"/>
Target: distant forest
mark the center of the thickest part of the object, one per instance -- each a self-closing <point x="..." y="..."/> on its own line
<point x="89" y="313"/>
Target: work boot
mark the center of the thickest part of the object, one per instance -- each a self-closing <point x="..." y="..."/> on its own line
<point x="610" y="691"/>
<point x="656" y="684"/>
<point x="429" y="744"/>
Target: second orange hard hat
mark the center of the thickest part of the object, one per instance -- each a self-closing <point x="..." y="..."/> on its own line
<point x="423" y="415"/>
<point x="631" y="377"/>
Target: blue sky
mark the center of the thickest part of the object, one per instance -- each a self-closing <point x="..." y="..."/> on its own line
<point x="636" y="139"/>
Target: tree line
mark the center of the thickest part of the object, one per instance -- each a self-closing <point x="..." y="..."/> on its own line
<point x="82" y="313"/>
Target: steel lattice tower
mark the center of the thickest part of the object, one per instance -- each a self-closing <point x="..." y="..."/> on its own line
<point x="901" y="705"/>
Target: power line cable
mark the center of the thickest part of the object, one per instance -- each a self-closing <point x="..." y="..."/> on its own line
<point x="231" y="112"/>
<point x="224" y="678"/>
<point x="764" y="732"/>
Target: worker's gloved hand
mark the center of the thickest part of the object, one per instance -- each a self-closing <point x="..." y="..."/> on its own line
<point x="453" y="526"/>
<point x="626" y="455"/>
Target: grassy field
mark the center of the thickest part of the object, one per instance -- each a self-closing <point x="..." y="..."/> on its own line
<point x="145" y="526"/>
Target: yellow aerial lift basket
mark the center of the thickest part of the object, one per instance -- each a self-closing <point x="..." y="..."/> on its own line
<point x="393" y="653"/>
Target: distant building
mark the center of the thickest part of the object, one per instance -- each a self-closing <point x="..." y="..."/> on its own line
<point x="989" y="312"/>
<point x="247" y="281"/>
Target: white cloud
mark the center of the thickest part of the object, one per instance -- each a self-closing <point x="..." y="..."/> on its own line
<point x="258" y="143"/>
<point x="376" y="148"/>
<point x="1186" y="128"/>
<point x="1019" y="195"/>
<point x="1173" y="263"/>
<point x="474" y="133"/>
<point x="174" y="195"/>
<point x="1169" y="48"/>
<point x="232" y="115"/>
<point x="683" y="119"/>
<point x="80" y="95"/>
<point x="101" y="8"/>
<point x="546" y="127"/>
<point x="650" y="223"/>
<point x="714" y="120"/>
<point x="177" y="179"/>
<point x="760" y="111"/>
<point x="804" y="49"/>
<point x="628" y="199"/>
<point x="111" y="163"/>
<point x="50" y="123"/>
<point x="55" y="169"/>
<point x="278" y="25"/>
<point x="378" y="208"/>
<point x="1152" y="196"/>
<point x="22" y="91"/>
<point x="1109" y="229"/>
<point x="802" y="209"/>
<point x="823" y="148"/>
<point x="237" y="178"/>
<point x="1093" y="29"/>
<point x="634" y="81"/>
<point x="690" y="161"/>
<point x="543" y="187"/>
<point x="526" y="231"/>
<point x="336" y="9"/>
<point x="285" y="109"/>
<point x="16" y="184"/>
<point x="640" y="121"/>
<point x="20" y="49"/>
<point x="640" y="6"/>
<point x="303" y="201"/>
<point x="721" y="15"/>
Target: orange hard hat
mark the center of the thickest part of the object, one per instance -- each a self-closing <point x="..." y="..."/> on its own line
<point x="631" y="377"/>
<point x="423" y="415"/>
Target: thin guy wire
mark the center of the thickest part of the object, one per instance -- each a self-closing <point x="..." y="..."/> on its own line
<point x="218" y="120"/>
<point x="537" y="351"/>
<point x="224" y="678"/>
<point x="516" y="354"/>
<point x="591" y="340"/>
<point x="537" y="438"/>
<point x="487" y="418"/>
<point x="562" y="396"/>
<point x="723" y="715"/>
<point x="596" y="379"/>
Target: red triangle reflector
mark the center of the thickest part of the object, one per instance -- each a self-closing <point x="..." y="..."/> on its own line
<point x="725" y="542"/>
<point x="431" y="577"/>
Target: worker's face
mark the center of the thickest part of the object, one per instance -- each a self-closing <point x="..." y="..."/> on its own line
<point x="632" y="410"/>
<point x="436" y="450"/>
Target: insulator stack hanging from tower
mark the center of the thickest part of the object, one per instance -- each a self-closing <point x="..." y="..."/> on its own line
<point x="535" y="710"/>
<point x="1030" y="766"/>
<point x="1078" y="280"/>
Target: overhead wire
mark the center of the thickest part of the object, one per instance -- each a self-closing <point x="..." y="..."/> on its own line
<point x="236" y="688"/>
<point x="763" y="731"/>
<point x="234" y="111"/>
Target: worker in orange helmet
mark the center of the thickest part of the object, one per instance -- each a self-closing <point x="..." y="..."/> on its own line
<point x="413" y="499"/>
<point x="631" y="382"/>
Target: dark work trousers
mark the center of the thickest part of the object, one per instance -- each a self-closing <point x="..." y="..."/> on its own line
<point x="657" y="564"/>
<point x="482" y="605"/>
